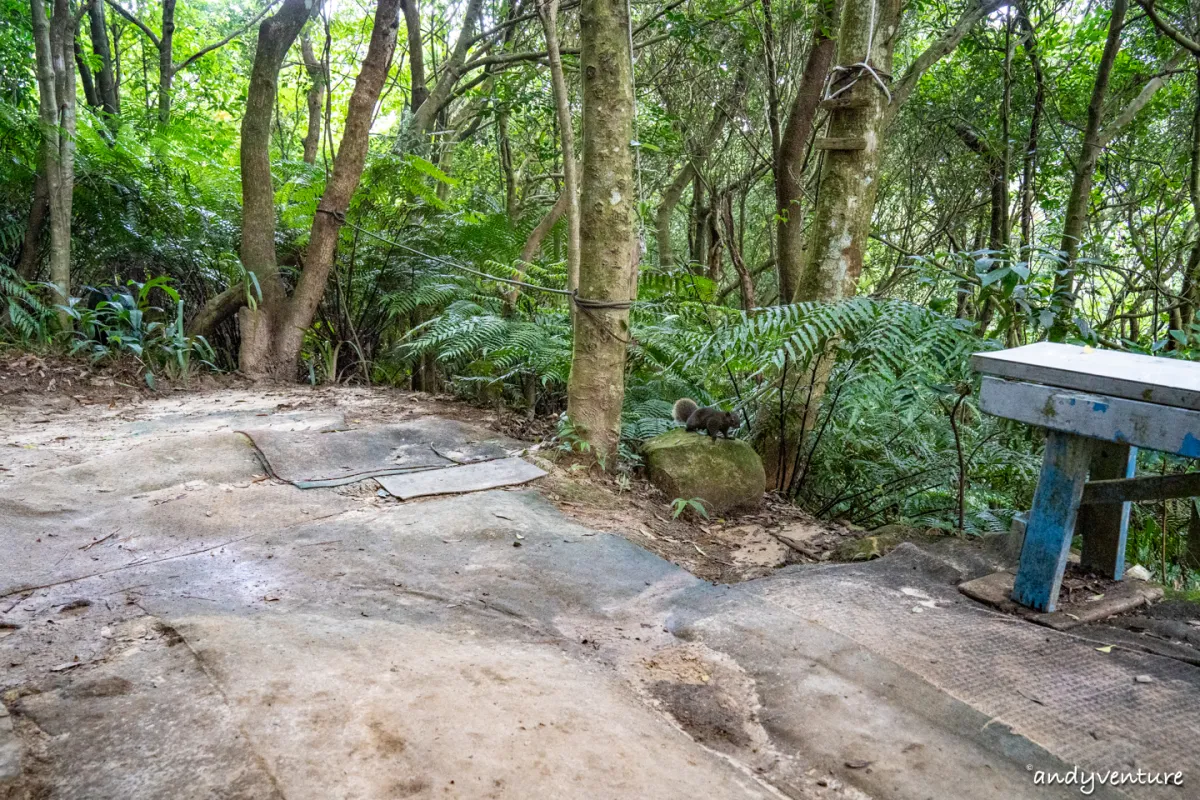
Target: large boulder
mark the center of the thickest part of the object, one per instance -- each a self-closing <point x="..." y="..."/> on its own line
<point x="725" y="473"/>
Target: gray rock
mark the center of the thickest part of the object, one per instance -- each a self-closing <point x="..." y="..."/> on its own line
<point x="10" y="751"/>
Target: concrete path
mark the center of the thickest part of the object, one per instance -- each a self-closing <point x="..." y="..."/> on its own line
<point x="175" y="626"/>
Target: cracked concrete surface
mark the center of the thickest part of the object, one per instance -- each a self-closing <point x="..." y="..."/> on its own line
<point x="177" y="626"/>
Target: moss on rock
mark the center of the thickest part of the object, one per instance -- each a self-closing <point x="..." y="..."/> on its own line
<point x="726" y="474"/>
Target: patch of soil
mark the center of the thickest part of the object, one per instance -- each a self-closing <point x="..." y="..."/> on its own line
<point x="723" y="550"/>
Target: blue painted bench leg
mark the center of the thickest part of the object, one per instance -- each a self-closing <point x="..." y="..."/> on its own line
<point x="1104" y="528"/>
<point x="1052" y="520"/>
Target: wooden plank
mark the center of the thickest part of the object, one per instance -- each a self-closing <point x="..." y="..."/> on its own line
<point x="1151" y="379"/>
<point x="1147" y="487"/>
<point x="1132" y="422"/>
<point x="841" y="143"/>
<point x="1104" y="526"/>
<point x="456" y="480"/>
<point x="1052" y="521"/>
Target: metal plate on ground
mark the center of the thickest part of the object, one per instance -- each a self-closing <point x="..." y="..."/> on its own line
<point x="311" y="459"/>
<point x="456" y="480"/>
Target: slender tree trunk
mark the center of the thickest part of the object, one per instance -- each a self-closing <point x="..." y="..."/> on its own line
<point x="793" y="152"/>
<point x="699" y="222"/>
<point x="699" y="151"/>
<point x="562" y="106"/>
<point x="608" y="246"/>
<point x="85" y="76"/>
<point x="506" y="165"/>
<point x="31" y="245"/>
<point x="166" y="62"/>
<point x="315" y="99"/>
<point x="419" y="91"/>
<point x="715" y="240"/>
<point x="259" y="326"/>
<point x="1063" y="302"/>
<point x="1029" y="161"/>
<point x="1005" y="153"/>
<point x="54" y="39"/>
<point x="425" y="113"/>
<point x="735" y="255"/>
<point x="670" y="198"/>
<point x="106" y="82"/>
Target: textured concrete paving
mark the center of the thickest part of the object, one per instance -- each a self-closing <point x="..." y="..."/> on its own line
<point x="178" y="627"/>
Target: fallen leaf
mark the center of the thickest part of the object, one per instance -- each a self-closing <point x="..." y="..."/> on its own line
<point x="1106" y="649"/>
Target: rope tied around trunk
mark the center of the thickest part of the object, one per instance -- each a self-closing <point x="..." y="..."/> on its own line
<point x="860" y="67"/>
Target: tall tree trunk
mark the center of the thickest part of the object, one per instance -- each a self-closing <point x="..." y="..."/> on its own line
<point x="54" y="39"/>
<point x="343" y="182"/>
<point x="1029" y="161"/>
<point x="315" y="99"/>
<point x="31" y="244"/>
<point x="608" y="248"/>
<point x="842" y="217"/>
<point x="85" y="76"/>
<point x="106" y="82"/>
<point x="1191" y="277"/>
<point x="1063" y="302"/>
<point x="166" y="62"/>
<point x="259" y="326"/>
<point x="793" y="152"/>
<point x="425" y="113"/>
<point x="419" y="91"/>
<point x="548" y="11"/>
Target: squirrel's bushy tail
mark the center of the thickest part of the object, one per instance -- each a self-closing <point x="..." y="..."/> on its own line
<point x="684" y="408"/>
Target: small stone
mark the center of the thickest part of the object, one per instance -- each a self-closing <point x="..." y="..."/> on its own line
<point x="1144" y="679"/>
<point x="1138" y="573"/>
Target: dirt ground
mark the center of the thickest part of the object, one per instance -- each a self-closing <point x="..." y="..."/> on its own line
<point x="176" y="623"/>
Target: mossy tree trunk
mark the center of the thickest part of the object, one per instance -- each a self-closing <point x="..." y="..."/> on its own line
<point x="608" y="248"/>
<point x="54" y="45"/>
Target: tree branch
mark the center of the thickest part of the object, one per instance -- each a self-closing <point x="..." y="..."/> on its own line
<point x="127" y="15"/>
<point x="206" y="50"/>
<point x="938" y="50"/>
<point x="1170" y="30"/>
<point x="1130" y="111"/>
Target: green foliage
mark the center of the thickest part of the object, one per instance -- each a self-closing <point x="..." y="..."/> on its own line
<point x="128" y="324"/>
<point x="695" y="504"/>
<point x="29" y="319"/>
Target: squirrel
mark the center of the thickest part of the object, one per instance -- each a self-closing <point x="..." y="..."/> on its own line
<point x="710" y="418"/>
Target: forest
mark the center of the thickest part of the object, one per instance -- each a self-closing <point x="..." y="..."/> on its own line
<point x="811" y="212"/>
